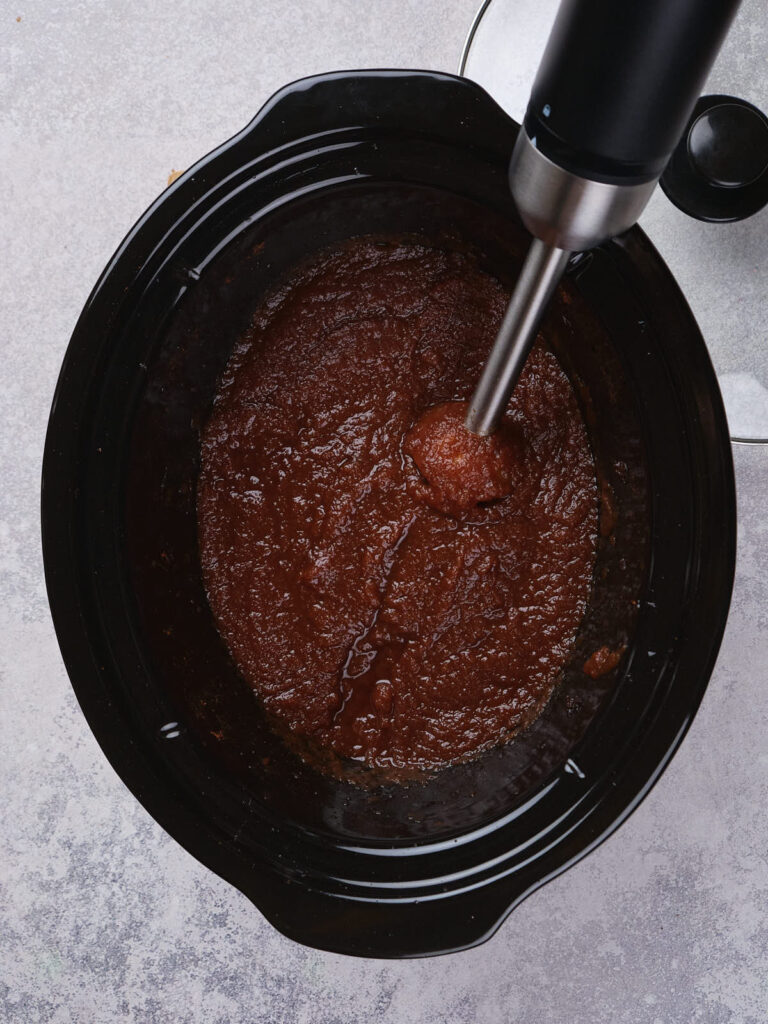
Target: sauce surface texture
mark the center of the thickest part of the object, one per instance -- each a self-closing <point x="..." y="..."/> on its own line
<point x="390" y="593"/>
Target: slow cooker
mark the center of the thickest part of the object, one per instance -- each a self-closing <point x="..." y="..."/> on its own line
<point x="334" y="860"/>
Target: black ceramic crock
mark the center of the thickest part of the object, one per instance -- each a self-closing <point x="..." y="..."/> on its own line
<point x="341" y="862"/>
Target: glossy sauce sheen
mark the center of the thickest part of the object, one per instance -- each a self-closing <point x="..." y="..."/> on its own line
<point x="373" y="605"/>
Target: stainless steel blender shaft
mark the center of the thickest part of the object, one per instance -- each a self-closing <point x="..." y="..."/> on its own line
<point x="543" y="268"/>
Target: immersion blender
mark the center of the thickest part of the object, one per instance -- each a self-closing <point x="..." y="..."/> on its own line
<point x="612" y="96"/>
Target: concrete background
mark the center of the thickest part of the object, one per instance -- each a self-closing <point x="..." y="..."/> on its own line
<point x="104" y="918"/>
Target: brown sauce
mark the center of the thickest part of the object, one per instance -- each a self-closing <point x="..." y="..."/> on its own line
<point x="395" y="590"/>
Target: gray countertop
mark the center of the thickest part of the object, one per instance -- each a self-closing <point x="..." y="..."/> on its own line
<point x="102" y="916"/>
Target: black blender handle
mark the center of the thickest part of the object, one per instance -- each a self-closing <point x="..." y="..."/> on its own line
<point x="618" y="81"/>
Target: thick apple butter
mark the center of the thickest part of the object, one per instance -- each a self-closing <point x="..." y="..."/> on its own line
<point x="394" y="589"/>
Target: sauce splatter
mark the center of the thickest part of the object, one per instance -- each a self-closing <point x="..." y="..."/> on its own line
<point x="602" y="661"/>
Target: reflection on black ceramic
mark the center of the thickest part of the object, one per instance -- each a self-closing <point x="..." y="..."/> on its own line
<point x="365" y="869"/>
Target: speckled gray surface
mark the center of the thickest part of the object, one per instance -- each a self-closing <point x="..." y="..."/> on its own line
<point x="104" y="918"/>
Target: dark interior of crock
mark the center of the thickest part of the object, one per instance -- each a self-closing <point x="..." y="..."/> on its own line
<point x="185" y="655"/>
